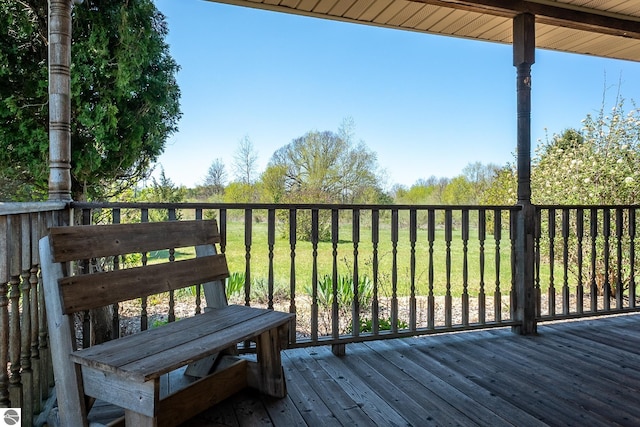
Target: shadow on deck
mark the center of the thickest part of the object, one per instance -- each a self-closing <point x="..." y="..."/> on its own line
<point x="573" y="373"/>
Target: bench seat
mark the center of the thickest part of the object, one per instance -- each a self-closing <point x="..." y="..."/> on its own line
<point x="149" y="354"/>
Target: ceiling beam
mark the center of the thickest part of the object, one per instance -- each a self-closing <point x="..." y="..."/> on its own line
<point x="553" y="13"/>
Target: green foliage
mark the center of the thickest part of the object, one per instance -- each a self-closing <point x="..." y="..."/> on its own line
<point x="260" y="291"/>
<point x="345" y="291"/>
<point x="459" y="192"/>
<point x="159" y="322"/>
<point x="503" y="188"/>
<point x="125" y="100"/>
<point x="600" y="165"/>
<point x="480" y="177"/>
<point x="235" y="285"/>
<point x="162" y="190"/>
<point x="24" y="113"/>
<point x="239" y="192"/>
<point x="384" y="324"/>
<point x="323" y="167"/>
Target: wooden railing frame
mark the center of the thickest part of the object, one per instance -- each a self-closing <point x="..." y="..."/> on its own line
<point x="337" y="340"/>
<point x="579" y="237"/>
<point x="587" y="236"/>
<point x="26" y="378"/>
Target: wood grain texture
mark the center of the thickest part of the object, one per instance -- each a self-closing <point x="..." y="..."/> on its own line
<point x="132" y="372"/>
<point x="84" y="292"/>
<point x="89" y="241"/>
<point x="72" y="410"/>
<point x="148" y="355"/>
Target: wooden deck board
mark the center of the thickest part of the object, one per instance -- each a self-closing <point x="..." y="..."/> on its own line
<point x="583" y="372"/>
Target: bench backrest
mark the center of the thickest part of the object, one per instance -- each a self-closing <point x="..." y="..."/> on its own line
<point x="102" y="288"/>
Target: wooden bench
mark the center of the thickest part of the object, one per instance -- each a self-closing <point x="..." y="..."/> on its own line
<point x="134" y="372"/>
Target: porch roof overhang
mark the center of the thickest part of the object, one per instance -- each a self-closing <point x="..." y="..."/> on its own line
<point x="604" y="28"/>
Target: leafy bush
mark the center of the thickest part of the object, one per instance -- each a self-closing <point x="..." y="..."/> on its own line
<point x="384" y="324"/>
<point x="345" y="291"/>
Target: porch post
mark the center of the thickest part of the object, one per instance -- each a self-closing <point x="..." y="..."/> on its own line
<point x="523" y="58"/>
<point x="60" y="99"/>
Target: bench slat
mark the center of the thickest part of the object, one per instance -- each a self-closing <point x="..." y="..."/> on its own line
<point x="130" y="348"/>
<point x="91" y="241"/>
<point x="147" y="357"/>
<point x="88" y="291"/>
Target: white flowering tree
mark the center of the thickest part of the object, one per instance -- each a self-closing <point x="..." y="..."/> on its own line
<point x="599" y="165"/>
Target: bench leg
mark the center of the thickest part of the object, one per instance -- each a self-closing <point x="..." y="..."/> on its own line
<point x="271" y="379"/>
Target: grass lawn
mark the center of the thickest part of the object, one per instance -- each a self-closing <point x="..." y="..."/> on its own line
<point x="345" y="260"/>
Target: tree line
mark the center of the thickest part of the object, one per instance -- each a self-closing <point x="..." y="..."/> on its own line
<point x="125" y="105"/>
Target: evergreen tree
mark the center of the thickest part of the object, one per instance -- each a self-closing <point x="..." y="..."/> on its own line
<point x="125" y="99"/>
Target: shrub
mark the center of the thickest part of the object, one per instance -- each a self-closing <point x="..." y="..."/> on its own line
<point x="345" y="291"/>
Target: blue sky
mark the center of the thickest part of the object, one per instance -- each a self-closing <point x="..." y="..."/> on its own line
<point x="427" y="105"/>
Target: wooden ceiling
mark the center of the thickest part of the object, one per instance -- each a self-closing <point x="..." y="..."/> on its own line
<point x="605" y="28"/>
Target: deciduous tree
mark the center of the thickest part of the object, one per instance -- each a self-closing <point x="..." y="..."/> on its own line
<point x="245" y="162"/>
<point x="216" y="177"/>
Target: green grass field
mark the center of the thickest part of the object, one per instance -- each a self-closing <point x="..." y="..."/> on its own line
<point x="345" y="260"/>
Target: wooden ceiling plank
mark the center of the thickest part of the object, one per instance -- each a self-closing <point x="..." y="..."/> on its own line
<point x="500" y="33"/>
<point x="435" y="15"/>
<point x="555" y="13"/>
<point x="455" y="22"/>
<point x="308" y="5"/>
<point x="357" y="9"/>
<point x="324" y="6"/>
<point x="420" y="16"/>
<point x="485" y="24"/>
<point x="390" y="12"/>
<point x="341" y="7"/>
<point x="378" y="7"/>
<point x="405" y="14"/>
<point x="290" y="3"/>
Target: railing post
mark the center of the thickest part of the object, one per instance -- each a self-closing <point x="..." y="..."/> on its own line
<point x="4" y="312"/>
<point x="523" y="59"/>
<point x="60" y="99"/>
<point x="525" y="310"/>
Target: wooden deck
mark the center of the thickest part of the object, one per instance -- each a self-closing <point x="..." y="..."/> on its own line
<point x="584" y="373"/>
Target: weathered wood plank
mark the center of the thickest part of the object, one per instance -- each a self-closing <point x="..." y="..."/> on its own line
<point x="535" y="382"/>
<point x="580" y="372"/>
<point x="488" y="399"/>
<point x="71" y="403"/>
<point x="138" y="397"/>
<point x="202" y="394"/>
<point x="179" y="343"/>
<point x="88" y="291"/>
<point x="419" y="383"/>
<point x="471" y="371"/>
<point x="363" y="392"/>
<point x="130" y="372"/>
<point x="346" y="410"/>
<point x="302" y="393"/>
<point x="73" y="243"/>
